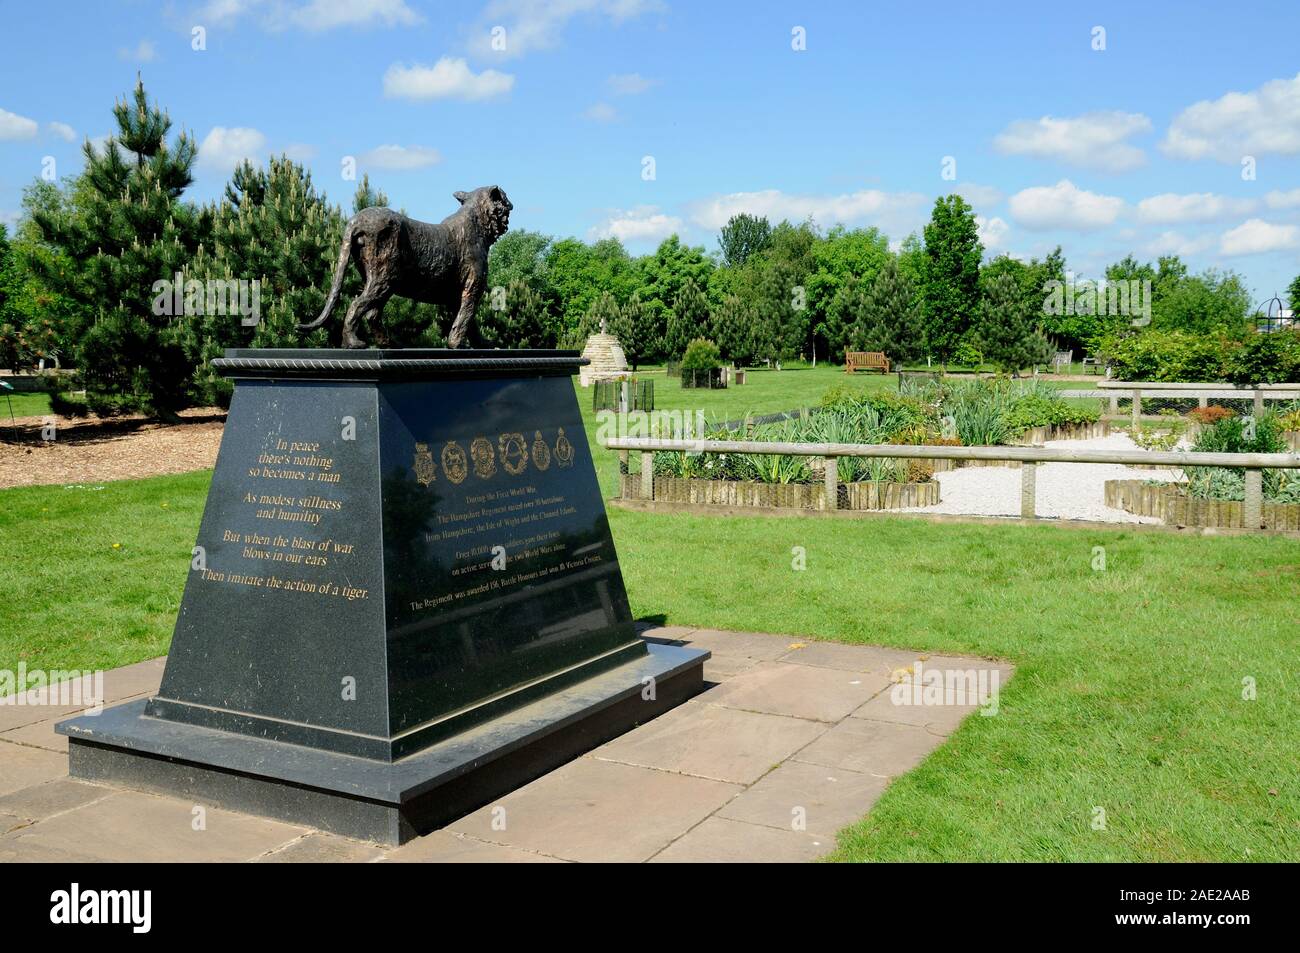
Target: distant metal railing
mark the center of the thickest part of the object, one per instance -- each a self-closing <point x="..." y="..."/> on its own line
<point x="1203" y="393"/>
<point x="1253" y="463"/>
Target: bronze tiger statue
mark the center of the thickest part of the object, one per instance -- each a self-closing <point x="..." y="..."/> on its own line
<point x="443" y="264"/>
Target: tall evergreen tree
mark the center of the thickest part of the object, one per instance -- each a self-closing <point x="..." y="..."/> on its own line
<point x="126" y="230"/>
<point x="1007" y="325"/>
<point x="950" y="293"/>
<point x="521" y="322"/>
<point x="733" y="331"/>
<point x="890" y="316"/>
<point x="688" y="319"/>
<point x="635" y="330"/>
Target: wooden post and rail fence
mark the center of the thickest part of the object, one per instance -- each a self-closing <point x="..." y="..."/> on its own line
<point x="1204" y="393"/>
<point x="1253" y="463"/>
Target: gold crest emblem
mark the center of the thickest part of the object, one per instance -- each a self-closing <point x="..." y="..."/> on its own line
<point x="514" y="452"/>
<point x="563" y="450"/>
<point x="484" y="457"/>
<point x="423" y="464"/>
<point x="541" y="452"/>
<point x="454" y="463"/>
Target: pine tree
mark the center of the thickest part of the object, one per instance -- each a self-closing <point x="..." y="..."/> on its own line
<point x="688" y="319"/>
<point x="635" y="330"/>
<point x="126" y="229"/>
<point x="520" y="322"/>
<point x="1006" y="326"/>
<point x="889" y="319"/>
<point x="733" y="330"/>
<point x="276" y="238"/>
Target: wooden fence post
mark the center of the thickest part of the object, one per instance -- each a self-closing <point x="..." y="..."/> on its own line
<point x="1258" y="408"/>
<point x="1253" y="510"/>
<point x="1114" y="405"/>
<point x="647" y="475"/>
<point x="832" y="483"/>
<point x="1028" y="472"/>
<point x="1137" y="407"/>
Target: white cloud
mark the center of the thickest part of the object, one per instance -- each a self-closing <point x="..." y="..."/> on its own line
<point x="400" y="158"/>
<point x="630" y="84"/>
<point x="1265" y="120"/>
<point x="143" y="52"/>
<point x="1095" y="140"/>
<point x="62" y="130"/>
<point x="1064" y="205"/>
<point x="992" y="231"/>
<point x="1172" y="208"/>
<point x="1176" y="243"/>
<point x="1277" y="199"/>
<point x="14" y="127"/>
<point x="313" y="16"/>
<point x="449" y="78"/>
<point x="9" y="218"/>
<point x="899" y="212"/>
<point x="979" y="195"/>
<point x="1256" y="237"/>
<point x="644" y="223"/>
<point x="224" y="148"/>
<point x="531" y="25"/>
<point x="601" y="112"/>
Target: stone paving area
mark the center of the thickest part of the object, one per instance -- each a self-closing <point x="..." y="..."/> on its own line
<point x="792" y="741"/>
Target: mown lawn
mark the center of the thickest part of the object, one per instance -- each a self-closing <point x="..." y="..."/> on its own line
<point x="1128" y="687"/>
<point x="22" y="405"/>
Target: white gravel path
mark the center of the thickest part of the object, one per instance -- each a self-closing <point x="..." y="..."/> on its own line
<point x="1064" y="490"/>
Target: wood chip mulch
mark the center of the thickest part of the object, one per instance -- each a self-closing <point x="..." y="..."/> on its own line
<point x="96" y="450"/>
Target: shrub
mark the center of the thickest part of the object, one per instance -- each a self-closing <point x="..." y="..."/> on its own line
<point x="1211" y="415"/>
<point x="701" y="355"/>
<point x="1169" y="356"/>
<point x="1271" y="358"/>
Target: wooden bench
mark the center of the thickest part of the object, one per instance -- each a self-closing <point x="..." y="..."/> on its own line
<point x="865" y="360"/>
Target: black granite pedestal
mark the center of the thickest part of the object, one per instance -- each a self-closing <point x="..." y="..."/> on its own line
<point x="404" y="600"/>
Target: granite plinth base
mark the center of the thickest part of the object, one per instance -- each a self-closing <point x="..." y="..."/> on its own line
<point x="388" y="802"/>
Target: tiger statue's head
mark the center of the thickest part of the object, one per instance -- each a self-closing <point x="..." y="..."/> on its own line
<point x="489" y="207"/>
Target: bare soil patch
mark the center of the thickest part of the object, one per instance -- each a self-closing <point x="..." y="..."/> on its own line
<point x="99" y="449"/>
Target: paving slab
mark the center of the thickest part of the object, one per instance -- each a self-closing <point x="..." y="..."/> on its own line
<point x="940" y="720"/>
<point x="881" y="748"/>
<point x="22" y="766"/>
<point x="809" y="797"/>
<point x="851" y="658"/>
<point x="320" y="847"/>
<point x="53" y="797"/>
<point x="801" y="691"/>
<point x="142" y="678"/>
<point x="445" y="847"/>
<point x="722" y="841"/>
<point x="708" y="741"/>
<point x="593" y="810"/>
<point x="133" y="826"/>
<point x="39" y="735"/>
<point x="752" y="645"/>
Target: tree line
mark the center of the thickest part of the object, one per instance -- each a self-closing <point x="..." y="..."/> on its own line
<point x="113" y="272"/>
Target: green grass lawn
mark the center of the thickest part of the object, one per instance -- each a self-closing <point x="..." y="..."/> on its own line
<point x="1128" y="687"/>
<point x="24" y="405"/>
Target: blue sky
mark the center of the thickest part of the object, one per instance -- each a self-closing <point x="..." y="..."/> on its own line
<point x="1131" y="140"/>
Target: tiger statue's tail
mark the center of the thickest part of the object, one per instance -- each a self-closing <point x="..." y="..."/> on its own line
<point x="340" y="269"/>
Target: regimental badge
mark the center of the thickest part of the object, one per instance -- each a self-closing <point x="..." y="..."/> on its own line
<point x="454" y="464"/>
<point x="423" y="465"/>
<point x="484" y="457"/>
<point x="563" y="450"/>
<point x="514" y="452"/>
<point x="541" y="452"/>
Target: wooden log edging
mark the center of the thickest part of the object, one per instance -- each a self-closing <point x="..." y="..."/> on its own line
<point x="1172" y="505"/>
<point x="865" y="495"/>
